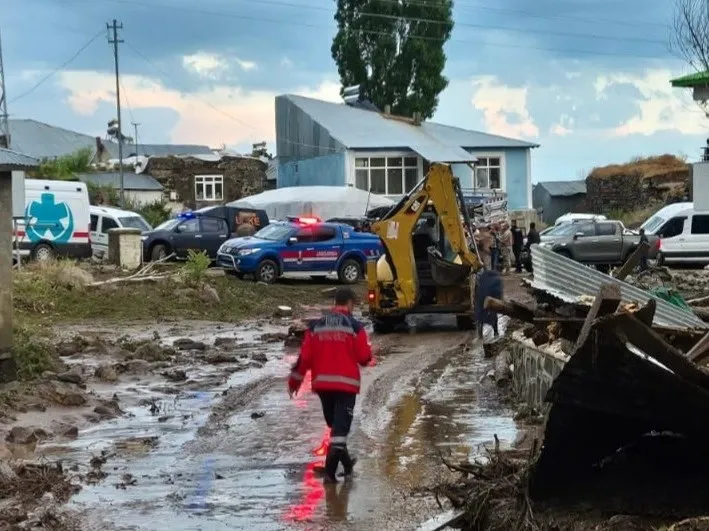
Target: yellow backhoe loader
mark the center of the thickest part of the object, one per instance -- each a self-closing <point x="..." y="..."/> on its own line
<point x="430" y="259"/>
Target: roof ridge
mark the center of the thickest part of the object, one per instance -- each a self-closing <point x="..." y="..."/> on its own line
<point x="50" y="125"/>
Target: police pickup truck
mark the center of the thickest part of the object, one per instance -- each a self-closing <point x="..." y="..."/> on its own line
<point x="301" y="247"/>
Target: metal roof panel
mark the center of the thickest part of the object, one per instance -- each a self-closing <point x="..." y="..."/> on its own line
<point x="131" y="181"/>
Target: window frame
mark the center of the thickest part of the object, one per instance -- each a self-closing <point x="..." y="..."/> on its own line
<point x="502" y="166"/>
<point x="204" y="181"/>
<point x="691" y="227"/>
<point x="386" y="155"/>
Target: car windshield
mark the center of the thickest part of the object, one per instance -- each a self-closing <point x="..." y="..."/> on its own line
<point x="135" y="222"/>
<point x="566" y="229"/>
<point x="274" y="232"/>
<point x="652" y="224"/>
<point x="168" y="225"/>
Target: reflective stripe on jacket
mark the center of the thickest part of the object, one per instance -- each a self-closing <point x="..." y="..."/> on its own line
<point x="334" y="347"/>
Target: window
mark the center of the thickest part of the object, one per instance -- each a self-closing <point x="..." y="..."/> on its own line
<point x="189" y="226"/>
<point x="94" y="223"/>
<point x="700" y="224"/>
<point x="135" y="222"/>
<point x="605" y="229"/>
<point x="323" y="234"/>
<point x="672" y="228"/>
<point x="386" y="175"/>
<point x="209" y="187"/>
<point x="108" y="224"/>
<point x="304" y="235"/>
<point x="488" y="173"/>
<point x="213" y="225"/>
<point x="586" y="229"/>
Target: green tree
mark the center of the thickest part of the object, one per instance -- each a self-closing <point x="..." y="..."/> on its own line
<point x="66" y="167"/>
<point x="394" y="51"/>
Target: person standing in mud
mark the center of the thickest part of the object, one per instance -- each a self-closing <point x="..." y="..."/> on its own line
<point x="334" y="347"/>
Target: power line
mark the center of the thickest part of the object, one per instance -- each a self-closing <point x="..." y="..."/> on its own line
<point x="292" y="22"/>
<point x="59" y="68"/>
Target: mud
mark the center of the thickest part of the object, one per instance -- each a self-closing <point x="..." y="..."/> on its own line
<point x="190" y="426"/>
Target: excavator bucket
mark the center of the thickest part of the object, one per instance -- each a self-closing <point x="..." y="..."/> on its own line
<point x="445" y="273"/>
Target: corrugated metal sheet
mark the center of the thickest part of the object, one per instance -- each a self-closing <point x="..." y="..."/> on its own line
<point x="159" y="150"/>
<point x="569" y="280"/>
<point x="563" y="188"/>
<point x="346" y="126"/>
<point x="131" y="181"/>
<point x="12" y="160"/>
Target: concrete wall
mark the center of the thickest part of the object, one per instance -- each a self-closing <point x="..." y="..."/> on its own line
<point x="328" y="170"/>
<point x="534" y="370"/>
<point x="6" y="365"/>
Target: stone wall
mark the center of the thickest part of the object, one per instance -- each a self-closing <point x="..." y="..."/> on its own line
<point x="637" y="185"/>
<point x="534" y="370"/>
<point x="243" y="176"/>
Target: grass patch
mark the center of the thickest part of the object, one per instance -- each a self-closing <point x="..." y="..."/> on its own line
<point x="645" y="168"/>
<point x="57" y="293"/>
<point x="634" y="219"/>
<point x="33" y="352"/>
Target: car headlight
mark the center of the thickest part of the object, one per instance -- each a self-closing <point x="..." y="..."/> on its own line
<point x="143" y="238"/>
<point x="245" y="252"/>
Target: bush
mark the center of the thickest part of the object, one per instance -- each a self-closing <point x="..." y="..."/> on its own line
<point x="195" y="269"/>
<point x="33" y="353"/>
<point x="154" y="213"/>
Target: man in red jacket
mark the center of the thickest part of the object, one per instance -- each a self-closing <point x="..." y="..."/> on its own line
<point x="334" y="347"/>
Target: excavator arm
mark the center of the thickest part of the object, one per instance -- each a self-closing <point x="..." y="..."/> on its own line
<point x="441" y="189"/>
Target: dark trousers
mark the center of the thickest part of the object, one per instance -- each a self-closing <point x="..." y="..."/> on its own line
<point x="517" y="251"/>
<point x="338" y="410"/>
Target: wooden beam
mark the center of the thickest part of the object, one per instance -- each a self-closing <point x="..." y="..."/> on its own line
<point x="628" y="328"/>
<point x="632" y="261"/>
<point x="511" y="309"/>
<point x="700" y="351"/>
<point x="606" y="302"/>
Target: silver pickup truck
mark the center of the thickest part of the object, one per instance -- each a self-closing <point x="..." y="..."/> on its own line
<point x="602" y="243"/>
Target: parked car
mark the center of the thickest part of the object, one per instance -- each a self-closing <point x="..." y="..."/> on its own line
<point x="579" y="217"/>
<point x="56" y="221"/>
<point x="601" y="243"/>
<point x="301" y="246"/>
<point x="104" y="219"/>
<point x="202" y="230"/>
<point x="684" y="234"/>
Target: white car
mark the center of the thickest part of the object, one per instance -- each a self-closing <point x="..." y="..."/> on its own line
<point x="104" y="219"/>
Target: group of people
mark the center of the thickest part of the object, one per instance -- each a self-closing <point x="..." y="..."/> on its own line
<point x="500" y="243"/>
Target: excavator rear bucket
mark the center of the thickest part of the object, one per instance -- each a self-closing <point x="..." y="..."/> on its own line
<point x="445" y="273"/>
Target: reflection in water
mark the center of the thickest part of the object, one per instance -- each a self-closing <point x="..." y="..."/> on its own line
<point x="337" y="498"/>
<point x="310" y="500"/>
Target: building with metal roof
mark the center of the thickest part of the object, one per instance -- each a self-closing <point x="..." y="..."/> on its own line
<point x="324" y="143"/>
<point x="11" y="160"/>
<point x="556" y="198"/>
<point x="139" y="187"/>
<point x="42" y="140"/>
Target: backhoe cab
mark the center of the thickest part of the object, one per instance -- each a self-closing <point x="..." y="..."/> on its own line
<point x="429" y="260"/>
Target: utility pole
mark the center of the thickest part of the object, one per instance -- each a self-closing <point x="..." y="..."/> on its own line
<point x="135" y="138"/>
<point x="4" y="118"/>
<point x="114" y="27"/>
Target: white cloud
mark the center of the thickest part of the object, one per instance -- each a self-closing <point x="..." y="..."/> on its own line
<point x="206" y="65"/>
<point x="234" y="115"/>
<point x="286" y="63"/>
<point x="498" y="102"/>
<point x="247" y="66"/>
<point x="660" y="107"/>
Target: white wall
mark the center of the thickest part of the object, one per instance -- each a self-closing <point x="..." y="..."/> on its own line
<point x="143" y="197"/>
<point x="18" y="194"/>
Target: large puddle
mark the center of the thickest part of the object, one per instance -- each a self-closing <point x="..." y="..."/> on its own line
<point x="240" y="455"/>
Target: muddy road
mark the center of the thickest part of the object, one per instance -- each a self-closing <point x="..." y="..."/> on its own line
<point x="225" y="448"/>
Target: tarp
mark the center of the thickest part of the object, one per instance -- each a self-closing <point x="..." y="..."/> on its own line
<point x="671" y="296"/>
<point x="322" y="201"/>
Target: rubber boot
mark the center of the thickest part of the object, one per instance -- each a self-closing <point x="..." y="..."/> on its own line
<point x="331" y="462"/>
<point x="348" y="463"/>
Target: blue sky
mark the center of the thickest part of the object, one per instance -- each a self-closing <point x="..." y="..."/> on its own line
<point x="586" y="79"/>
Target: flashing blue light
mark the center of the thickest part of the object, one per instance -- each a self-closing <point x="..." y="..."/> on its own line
<point x="186" y="215"/>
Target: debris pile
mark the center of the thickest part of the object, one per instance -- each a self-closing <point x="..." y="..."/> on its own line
<point x="625" y="431"/>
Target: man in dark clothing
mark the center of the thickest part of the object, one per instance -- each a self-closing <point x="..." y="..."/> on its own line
<point x="489" y="284"/>
<point x="643" y="256"/>
<point x="517" y="244"/>
<point x="334" y="347"/>
<point x="533" y="236"/>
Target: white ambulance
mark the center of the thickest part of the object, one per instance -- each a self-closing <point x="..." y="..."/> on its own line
<point x="56" y="220"/>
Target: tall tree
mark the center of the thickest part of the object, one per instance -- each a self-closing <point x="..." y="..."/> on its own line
<point x="690" y="33"/>
<point x="393" y="49"/>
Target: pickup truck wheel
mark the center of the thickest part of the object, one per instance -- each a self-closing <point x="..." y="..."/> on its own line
<point x="350" y="272"/>
<point x="267" y="272"/>
<point x="159" y="252"/>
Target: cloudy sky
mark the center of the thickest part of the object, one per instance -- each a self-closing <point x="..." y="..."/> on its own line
<point x="586" y="79"/>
